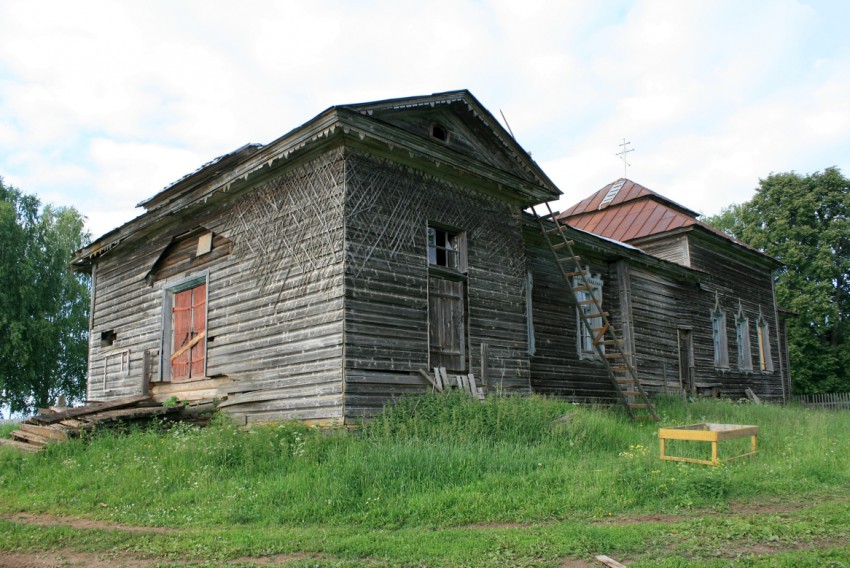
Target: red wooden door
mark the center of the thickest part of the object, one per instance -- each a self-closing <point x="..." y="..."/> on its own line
<point x="189" y="318"/>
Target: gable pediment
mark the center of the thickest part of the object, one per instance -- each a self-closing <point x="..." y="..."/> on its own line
<point x="457" y="121"/>
<point x="450" y="125"/>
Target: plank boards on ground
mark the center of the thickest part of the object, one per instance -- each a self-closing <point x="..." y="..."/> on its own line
<point x="90" y="409"/>
<point x="19" y="445"/>
<point x="607" y="561"/>
<point x="59" y="425"/>
<point x="442" y="381"/>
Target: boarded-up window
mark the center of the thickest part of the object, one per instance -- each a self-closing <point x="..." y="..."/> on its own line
<point x="718" y="331"/>
<point x="765" y="359"/>
<point x="742" y="333"/>
<point x="447" y="298"/>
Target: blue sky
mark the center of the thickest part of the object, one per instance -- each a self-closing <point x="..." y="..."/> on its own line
<point x="102" y="104"/>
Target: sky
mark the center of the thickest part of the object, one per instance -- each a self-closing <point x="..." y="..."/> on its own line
<point x="103" y="104"/>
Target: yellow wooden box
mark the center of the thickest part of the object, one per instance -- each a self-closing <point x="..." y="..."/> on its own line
<point x="708" y="432"/>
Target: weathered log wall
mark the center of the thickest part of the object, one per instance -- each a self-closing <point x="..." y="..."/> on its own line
<point x="650" y="308"/>
<point x="675" y="249"/>
<point x="275" y="303"/>
<point x="734" y="280"/>
<point x="388" y="209"/>
<point x="318" y="297"/>
<point x="556" y="367"/>
<point x="662" y="306"/>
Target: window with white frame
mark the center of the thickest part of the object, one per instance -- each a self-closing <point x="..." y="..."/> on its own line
<point x="765" y="359"/>
<point x="742" y="336"/>
<point x="589" y="302"/>
<point x="718" y="332"/>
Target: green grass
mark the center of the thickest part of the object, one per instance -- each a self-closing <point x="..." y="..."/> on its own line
<point x="444" y="480"/>
<point x="7" y="429"/>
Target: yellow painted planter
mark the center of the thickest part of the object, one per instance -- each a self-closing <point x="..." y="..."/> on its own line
<point x="706" y="432"/>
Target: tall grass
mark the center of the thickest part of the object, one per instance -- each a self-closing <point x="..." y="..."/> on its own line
<point x="427" y="461"/>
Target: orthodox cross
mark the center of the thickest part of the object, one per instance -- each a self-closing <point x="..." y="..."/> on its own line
<point x="622" y="153"/>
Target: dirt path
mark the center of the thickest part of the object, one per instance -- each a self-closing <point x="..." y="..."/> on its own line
<point x="45" y="520"/>
<point x="67" y="557"/>
<point x="70" y="558"/>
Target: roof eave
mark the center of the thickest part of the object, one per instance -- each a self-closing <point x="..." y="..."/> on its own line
<point x="321" y="127"/>
<point x="625" y="250"/>
<point x="331" y="122"/>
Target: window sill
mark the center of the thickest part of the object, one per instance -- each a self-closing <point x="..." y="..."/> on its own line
<point x="185" y="381"/>
<point x="447" y="273"/>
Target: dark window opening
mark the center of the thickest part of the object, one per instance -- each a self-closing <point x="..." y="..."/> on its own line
<point x="445" y="249"/>
<point x="107" y="338"/>
<point x="439" y="133"/>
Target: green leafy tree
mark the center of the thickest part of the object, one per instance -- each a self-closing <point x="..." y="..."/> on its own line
<point x="43" y="305"/>
<point x="804" y="221"/>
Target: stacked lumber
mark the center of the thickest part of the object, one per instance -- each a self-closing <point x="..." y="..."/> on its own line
<point x="442" y="381"/>
<point x="60" y="424"/>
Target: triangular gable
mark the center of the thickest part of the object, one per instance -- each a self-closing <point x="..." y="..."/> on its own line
<point x="458" y="121"/>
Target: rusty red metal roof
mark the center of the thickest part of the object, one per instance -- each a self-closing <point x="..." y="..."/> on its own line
<point x="631" y="213"/>
<point x="624" y="190"/>
<point x="625" y="211"/>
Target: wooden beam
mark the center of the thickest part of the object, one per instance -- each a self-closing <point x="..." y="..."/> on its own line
<point x="752" y="396"/>
<point x="428" y="378"/>
<point x="189" y="345"/>
<point x="609" y="561"/>
<point x="19" y="445"/>
<point x="485" y="364"/>
<point x="55" y="433"/>
<point x="92" y="409"/>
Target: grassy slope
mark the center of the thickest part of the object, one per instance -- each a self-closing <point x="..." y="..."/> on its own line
<point x="450" y="481"/>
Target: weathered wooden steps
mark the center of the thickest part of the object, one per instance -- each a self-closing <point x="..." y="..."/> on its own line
<point x="61" y="424"/>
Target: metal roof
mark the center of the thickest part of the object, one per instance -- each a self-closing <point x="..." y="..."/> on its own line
<point x="628" y="191"/>
<point x="634" y="212"/>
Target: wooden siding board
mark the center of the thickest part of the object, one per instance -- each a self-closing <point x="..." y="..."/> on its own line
<point x="275" y="311"/>
<point x="389" y="208"/>
<point x="674" y="249"/>
<point x="734" y="282"/>
<point x="556" y="368"/>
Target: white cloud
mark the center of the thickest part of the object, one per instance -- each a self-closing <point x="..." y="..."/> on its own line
<point x="104" y="103"/>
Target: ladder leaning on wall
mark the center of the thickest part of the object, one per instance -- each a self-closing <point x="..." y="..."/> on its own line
<point x="606" y="342"/>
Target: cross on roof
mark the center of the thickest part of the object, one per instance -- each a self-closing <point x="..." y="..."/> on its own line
<point x="622" y="153"/>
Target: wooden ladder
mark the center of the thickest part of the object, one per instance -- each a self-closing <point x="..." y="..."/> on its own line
<point x="607" y="344"/>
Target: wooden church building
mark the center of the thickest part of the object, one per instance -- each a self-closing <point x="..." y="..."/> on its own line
<point x="321" y="275"/>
